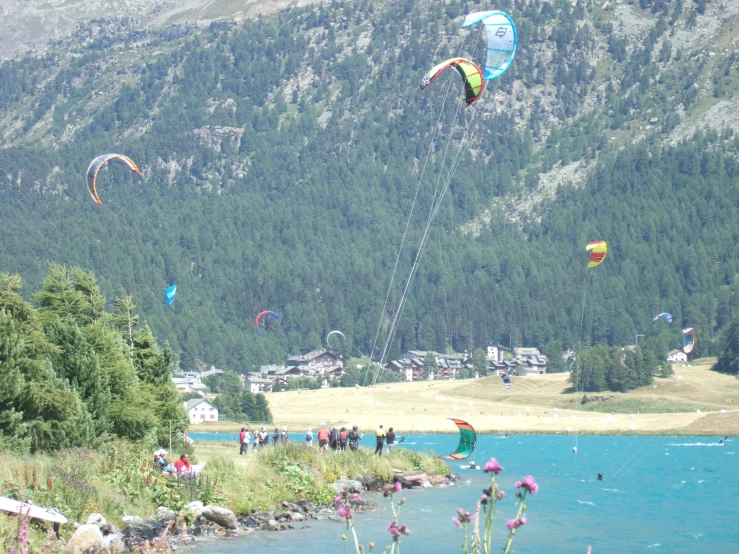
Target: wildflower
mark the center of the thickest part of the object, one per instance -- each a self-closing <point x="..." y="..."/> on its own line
<point x="511" y="524"/>
<point x="338" y="500"/>
<point x="402" y="501"/>
<point x="371" y="545"/>
<point x="529" y="484"/>
<point x="457" y="522"/>
<point x="356" y="498"/>
<point x="499" y="495"/>
<point x="398" y="487"/>
<point x="396" y="531"/>
<point x="522" y="521"/>
<point x="493" y="466"/>
<point x="484" y="499"/>
<point x="464" y="517"/>
<point x="344" y="511"/>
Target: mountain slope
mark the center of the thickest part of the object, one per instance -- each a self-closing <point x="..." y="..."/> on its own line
<point x="280" y="159"/>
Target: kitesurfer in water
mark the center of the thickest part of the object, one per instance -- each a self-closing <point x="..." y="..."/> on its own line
<point x="574" y="449"/>
<point x="473" y="465"/>
<point x="600" y="476"/>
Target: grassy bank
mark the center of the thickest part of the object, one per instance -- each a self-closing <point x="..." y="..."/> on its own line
<point x="120" y="480"/>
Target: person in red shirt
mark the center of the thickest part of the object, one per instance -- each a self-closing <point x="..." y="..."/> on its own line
<point x="323" y="436"/>
<point x="242" y="441"/>
<point x="182" y="466"/>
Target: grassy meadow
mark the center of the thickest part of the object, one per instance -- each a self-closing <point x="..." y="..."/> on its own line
<point x="689" y="402"/>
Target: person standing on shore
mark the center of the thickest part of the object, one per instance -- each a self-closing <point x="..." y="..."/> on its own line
<point x="283" y="436"/>
<point x="390" y="439"/>
<point x="323" y="436"/>
<point x="309" y="437"/>
<point x="276" y="437"/>
<point x="342" y="439"/>
<point x="243" y="445"/>
<point x="263" y="437"/>
<point x="333" y="438"/>
<point x="380" y="437"/>
<point x="354" y="438"/>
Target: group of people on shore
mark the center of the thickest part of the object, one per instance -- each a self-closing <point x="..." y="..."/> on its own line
<point x="334" y="439"/>
<point x="260" y="439"/>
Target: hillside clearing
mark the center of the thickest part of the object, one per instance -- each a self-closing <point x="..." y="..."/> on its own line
<point x="688" y="402"/>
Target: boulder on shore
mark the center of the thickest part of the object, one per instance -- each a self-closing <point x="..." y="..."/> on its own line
<point x="87" y="538"/>
<point x="135" y="532"/>
<point x="97" y="519"/>
<point x="222" y="516"/>
<point x="349" y="485"/>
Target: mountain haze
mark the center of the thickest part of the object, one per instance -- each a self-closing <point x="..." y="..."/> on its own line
<point x="280" y="157"/>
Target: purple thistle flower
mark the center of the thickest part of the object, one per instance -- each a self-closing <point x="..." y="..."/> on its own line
<point x="457" y="522"/>
<point x="500" y="495"/>
<point x="493" y="466"/>
<point x="356" y="498"/>
<point x="529" y="484"/>
<point x="522" y="521"/>
<point x="511" y="524"/>
<point x="398" y="487"/>
<point x="344" y="511"/>
<point x="338" y="500"/>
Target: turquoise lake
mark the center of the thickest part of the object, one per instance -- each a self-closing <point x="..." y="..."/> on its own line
<point x="660" y="494"/>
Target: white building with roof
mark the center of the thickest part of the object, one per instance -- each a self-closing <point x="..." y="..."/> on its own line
<point x="677" y="356"/>
<point x="199" y="410"/>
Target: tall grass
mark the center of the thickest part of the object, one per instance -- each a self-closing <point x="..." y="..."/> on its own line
<point x="120" y="479"/>
<point x="290" y="472"/>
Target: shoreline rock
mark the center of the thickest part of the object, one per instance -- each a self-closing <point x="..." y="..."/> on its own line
<point x="209" y="522"/>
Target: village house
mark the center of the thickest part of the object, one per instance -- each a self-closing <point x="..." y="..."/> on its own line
<point x="677" y="356"/>
<point x="280" y="372"/>
<point x="189" y="384"/>
<point x="529" y="362"/>
<point x="525" y="352"/>
<point x="210" y="372"/>
<point x="257" y="384"/>
<point x="315" y="358"/>
<point x="200" y="410"/>
<point x="318" y="363"/>
<point x="402" y="368"/>
<point x="495" y="353"/>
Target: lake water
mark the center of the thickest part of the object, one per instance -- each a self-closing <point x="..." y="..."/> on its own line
<point x="659" y="495"/>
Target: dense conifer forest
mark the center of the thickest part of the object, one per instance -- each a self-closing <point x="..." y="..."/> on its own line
<point x="280" y="157"/>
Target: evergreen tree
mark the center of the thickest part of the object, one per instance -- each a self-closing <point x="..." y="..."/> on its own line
<point x="77" y="363"/>
<point x="125" y="319"/>
<point x="555" y="362"/>
<point x="480" y="362"/>
<point x="12" y="429"/>
<point x="152" y="364"/>
<point x="728" y="360"/>
<point x="430" y="366"/>
<point x="262" y="411"/>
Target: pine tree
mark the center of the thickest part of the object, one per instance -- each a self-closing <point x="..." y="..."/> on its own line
<point x="12" y="429"/>
<point x="124" y="317"/>
<point x="152" y="364"/>
<point x="77" y="363"/>
<point x="728" y="360"/>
